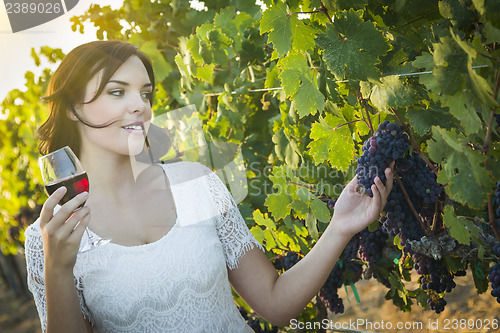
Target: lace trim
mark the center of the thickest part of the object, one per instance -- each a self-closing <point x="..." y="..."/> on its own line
<point x="232" y="230"/>
<point x="36" y="274"/>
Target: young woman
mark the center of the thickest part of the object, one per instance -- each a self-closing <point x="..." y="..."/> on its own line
<point x="178" y="241"/>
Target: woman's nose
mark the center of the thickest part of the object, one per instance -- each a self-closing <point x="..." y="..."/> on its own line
<point x="138" y="103"/>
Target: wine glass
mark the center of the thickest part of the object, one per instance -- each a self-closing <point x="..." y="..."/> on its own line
<point x="62" y="168"/>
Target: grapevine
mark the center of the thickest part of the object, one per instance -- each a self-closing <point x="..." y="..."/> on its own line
<point x="417" y="85"/>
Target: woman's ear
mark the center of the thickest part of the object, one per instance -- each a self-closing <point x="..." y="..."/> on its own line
<point x="71" y="115"/>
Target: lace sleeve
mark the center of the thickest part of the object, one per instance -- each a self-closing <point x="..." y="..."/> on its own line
<point x="35" y="273"/>
<point x="233" y="232"/>
<point x="34" y="264"/>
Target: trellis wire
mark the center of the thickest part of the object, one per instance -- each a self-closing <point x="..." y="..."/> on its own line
<point x="342" y="81"/>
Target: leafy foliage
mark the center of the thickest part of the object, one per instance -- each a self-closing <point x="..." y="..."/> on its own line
<point x="300" y="94"/>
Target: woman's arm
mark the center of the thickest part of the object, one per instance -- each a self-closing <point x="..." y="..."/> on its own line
<point x="63" y="305"/>
<point x="61" y="235"/>
<point x="279" y="299"/>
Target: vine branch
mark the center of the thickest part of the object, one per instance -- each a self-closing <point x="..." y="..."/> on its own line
<point x="491" y="214"/>
<point x="313" y="12"/>
<point x="407" y="198"/>
<point x="324" y="10"/>
<point x="309" y="187"/>
<point x="365" y="106"/>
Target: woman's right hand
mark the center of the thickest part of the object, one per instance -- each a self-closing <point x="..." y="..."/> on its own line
<point x="61" y="233"/>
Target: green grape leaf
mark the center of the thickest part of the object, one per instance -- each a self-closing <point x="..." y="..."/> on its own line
<point x="320" y="210"/>
<point x="461" y="109"/>
<point x="293" y="68"/>
<point x="424" y="61"/>
<point x="477" y="83"/>
<point x="286" y="31"/>
<point x="288" y="238"/>
<point x="302" y="35"/>
<point x="300" y="207"/>
<point x="332" y="144"/>
<point x="490" y="9"/>
<point x="312" y="225"/>
<point x="460" y="228"/>
<point x="339" y="5"/>
<point x="161" y="67"/>
<point x="468" y="182"/>
<point x="421" y="120"/>
<point x="272" y="79"/>
<point x="263" y="220"/>
<point x="479" y="273"/>
<point x="204" y="73"/>
<point x="450" y="70"/>
<point x="277" y="203"/>
<point x="392" y="92"/>
<point x="276" y="22"/>
<point x="492" y="34"/>
<point x="457" y="12"/>
<point x="258" y="233"/>
<point x="286" y="148"/>
<point x="351" y="47"/>
<point x="309" y="99"/>
<point x="297" y="81"/>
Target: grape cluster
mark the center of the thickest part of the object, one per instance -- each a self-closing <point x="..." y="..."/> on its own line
<point x="284" y="263"/>
<point x="371" y="245"/>
<point x="329" y="291"/>
<point x="399" y="219"/>
<point x="388" y="143"/>
<point x="435" y="280"/>
<point x="419" y="178"/>
<point x="255" y="323"/>
<point x="331" y="203"/>
<point x="346" y="270"/>
<point x="494" y="275"/>
<point x="497" y="212"/>
<point x="422" y="189"/>
<point x="494" y="271"/>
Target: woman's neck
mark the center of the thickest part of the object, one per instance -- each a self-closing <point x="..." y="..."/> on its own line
<point x="113" y="175"/>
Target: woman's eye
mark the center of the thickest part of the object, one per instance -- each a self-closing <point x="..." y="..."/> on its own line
<point x="147" y="95"/>
<point x="118" y="92"/>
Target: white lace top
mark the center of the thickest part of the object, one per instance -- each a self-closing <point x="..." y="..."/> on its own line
<point x="176" y="284"/>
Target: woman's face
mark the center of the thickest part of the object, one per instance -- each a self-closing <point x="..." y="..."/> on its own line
<point x="125" y="99"/>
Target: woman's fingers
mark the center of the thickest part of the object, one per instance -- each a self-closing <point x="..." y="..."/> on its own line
<point x="67" y="228"/>
<point x="77" y="233"/>
<point x="68" y="209"/>
<point x="48" y="207"/>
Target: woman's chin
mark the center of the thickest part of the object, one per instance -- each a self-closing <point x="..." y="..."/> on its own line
<point x="135" y="147"/>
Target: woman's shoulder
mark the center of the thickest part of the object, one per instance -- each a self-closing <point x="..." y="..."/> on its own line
<point x="186" y="170"/>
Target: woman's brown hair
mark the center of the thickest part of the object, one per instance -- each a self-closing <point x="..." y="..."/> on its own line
<point x="67" y="88"/>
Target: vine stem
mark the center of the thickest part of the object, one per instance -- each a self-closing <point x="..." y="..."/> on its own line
<point x="349" y="122"/>
<point x="414" y="143"/>
<point x="486" y="148"/>
<point x="309" y="187"/>
<point x="491" y="215"/>
<point x="365" y="106"/>
<point x="407" y="197"/>
<point x="492" y="114"/>
<point x="313" y="12"/>
<point x="324" y="10"/>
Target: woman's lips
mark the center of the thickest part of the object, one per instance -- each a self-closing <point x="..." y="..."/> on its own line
<point x="136" y="127"/>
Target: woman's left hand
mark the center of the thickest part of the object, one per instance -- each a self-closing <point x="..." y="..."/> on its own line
<point x="354" y="211"/>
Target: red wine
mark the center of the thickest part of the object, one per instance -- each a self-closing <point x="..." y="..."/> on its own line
<point x="75" y="185"/>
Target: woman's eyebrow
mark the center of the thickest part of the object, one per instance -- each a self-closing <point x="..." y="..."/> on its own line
<point x="127" y="84"/>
